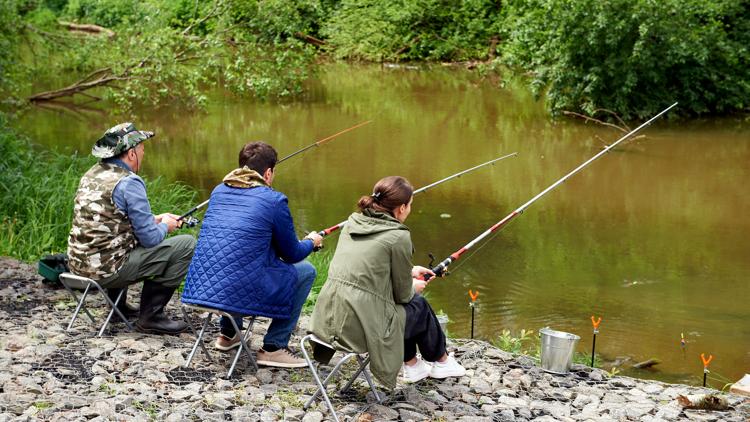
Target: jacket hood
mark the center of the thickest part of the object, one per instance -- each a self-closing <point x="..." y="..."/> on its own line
<point x="244" y="177"/>
<point x="371" y="222"/>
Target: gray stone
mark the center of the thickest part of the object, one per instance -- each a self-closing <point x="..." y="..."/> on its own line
<point x="480" y="386"/>
<point x="558" y="410"/>
<point x="636" y="411"/>
<point x="613" y="398"/>
<point x="513" y="402"/>
<point x="596" y="376"/>
<point x="451" y="391"/>
<point x="622" y="382"/>
<point x="98" y="408"/>
<point x="180" y="395"/>
<point x="265" y="376"/>
<point x="485" y="400"/>
<point x="312" y="417"/>
<point x="652" y="388"/>
<point x="380" y="412"/>
<point x="293" y="414"/>
<point x="436" y="397"/>
<point x="175" y="417"/>
<point x="410" y="416"/>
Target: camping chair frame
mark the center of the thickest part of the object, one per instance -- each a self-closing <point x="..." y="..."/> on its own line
<point x="362" y="359"/>
<point x="244" y="337"/>
<point x="66" y="277"/>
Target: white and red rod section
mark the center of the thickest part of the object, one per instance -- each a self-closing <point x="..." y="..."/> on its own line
<point x="443" y="265"/>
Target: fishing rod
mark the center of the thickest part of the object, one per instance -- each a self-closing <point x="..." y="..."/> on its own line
<point x="442" y="267"/>
<point x="323" y="141"/>
<point x="192" y="221"/>
<point x="332" y="229"/>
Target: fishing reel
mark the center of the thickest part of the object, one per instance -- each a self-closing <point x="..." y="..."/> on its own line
<point x="431" y="266"/>
<point x="190" y="222"/>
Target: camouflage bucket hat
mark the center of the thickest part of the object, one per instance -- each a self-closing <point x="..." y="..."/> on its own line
<point x="118" y="140"/>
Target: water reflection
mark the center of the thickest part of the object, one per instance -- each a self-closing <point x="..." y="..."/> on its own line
<point x="654" y="237"/>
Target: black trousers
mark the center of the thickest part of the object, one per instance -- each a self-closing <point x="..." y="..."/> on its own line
<point x="423" y="331"/>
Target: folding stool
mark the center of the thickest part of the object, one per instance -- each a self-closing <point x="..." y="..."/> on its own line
<point x="244" y="337"/>
<point x="362" y="369"/>
<point x="66" y="278"/>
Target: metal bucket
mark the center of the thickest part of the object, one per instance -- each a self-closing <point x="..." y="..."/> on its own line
<point x="443" y="320"/>
<point x="557" y="350"/>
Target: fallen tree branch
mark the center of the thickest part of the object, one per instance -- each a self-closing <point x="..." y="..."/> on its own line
<point x="76" y="88"/>
<point x="87" y="28"/>
<point x="595" y="120"/>
<point x="617" y="116"/>
<point x="309" y="39"/>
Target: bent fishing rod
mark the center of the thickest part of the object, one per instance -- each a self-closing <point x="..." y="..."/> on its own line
<point x="442" y="267"/>
<point x="193" y="222"/>
<point x="332" y="229"/>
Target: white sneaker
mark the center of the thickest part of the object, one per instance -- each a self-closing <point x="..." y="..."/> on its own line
<point x="416" y="372"/>
<point x="449" y="368"/>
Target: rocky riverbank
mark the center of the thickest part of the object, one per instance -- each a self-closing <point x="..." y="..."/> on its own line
<point x="47" y="373"/>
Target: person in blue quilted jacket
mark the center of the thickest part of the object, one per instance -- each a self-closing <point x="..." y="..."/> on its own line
<point x="249" y="261"/>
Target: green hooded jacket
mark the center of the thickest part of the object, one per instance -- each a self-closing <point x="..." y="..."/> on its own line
<point x="360" y="306"/>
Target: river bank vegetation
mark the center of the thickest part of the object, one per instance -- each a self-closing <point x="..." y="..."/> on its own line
<point x="631" y="58"/>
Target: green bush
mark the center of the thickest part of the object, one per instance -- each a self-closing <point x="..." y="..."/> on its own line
<point x="413" y="30"/>
<point x="633" y="57"/>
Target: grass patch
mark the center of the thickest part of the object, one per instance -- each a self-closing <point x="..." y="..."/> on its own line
<point x="321" y="260"/>
<point x="37" y="189"/>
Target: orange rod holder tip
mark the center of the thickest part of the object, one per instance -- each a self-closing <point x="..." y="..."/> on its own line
<point x="473" y="295"/>
<point x="596" y="322"/>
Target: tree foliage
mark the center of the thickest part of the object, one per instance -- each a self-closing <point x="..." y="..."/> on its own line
<point x="629" y="57"/>
<point x="633" y="57"/>
<point x="162" y="52"/>
<point x="413" y="30"/>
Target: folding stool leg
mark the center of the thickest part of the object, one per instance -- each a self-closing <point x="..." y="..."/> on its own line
<point x="362" y="369"/>
<point x="112" y="305"/>
<point x="198" y="337"/>
<point x="75" y="299"/>
<point x="78" y="307"/>
<point x="333" y="372"/>
<point x="243" y="345"/>
<point x="321" y="385"/>
<point x="248" y="334"/>
<point x="111" y="312"/>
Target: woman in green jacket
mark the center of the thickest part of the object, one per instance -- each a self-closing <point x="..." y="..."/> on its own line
<point x="370" y="301"/>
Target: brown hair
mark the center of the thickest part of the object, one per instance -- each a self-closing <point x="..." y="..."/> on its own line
<point x="389" y="193"/>
<point x="258" y="156"/>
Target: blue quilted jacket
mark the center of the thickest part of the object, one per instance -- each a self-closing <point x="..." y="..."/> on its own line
<point x="243" y="260"/>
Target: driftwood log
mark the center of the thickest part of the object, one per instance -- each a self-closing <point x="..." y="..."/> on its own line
<point x="646" y="364"/>
<point x="87" y="28"/>
<point x="309" y="39"/>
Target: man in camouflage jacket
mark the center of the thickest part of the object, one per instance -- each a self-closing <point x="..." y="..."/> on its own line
<point x="117" y="241"/>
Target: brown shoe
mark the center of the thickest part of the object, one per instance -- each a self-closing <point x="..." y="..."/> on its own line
<point x="225" y="343"/>
<point x="281" y="358"/>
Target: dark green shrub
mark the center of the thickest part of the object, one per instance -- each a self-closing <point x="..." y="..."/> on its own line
<point x="633" y="57"/>
<point x="413" y="30"/>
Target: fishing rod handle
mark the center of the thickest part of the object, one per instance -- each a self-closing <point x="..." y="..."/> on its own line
<point x="439" y="269"/>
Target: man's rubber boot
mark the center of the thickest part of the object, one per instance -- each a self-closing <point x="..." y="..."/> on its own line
<point x="152" y="319"/>
<point x="126" y="309"/>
